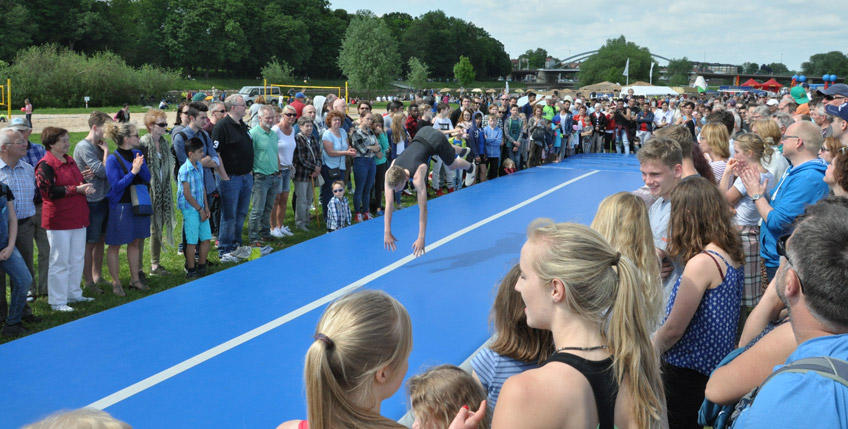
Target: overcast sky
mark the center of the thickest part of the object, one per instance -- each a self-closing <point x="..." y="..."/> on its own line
<point x="723" y="31"/>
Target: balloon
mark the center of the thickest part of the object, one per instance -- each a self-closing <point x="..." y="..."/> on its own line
<point x="794" y="77"/>
<point x="833" y="78"/>
<point x="802" y="78"/>
<point x="826" y="78"/>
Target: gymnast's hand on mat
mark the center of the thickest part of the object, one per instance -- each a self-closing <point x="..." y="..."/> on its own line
<point x="466" y="418"/>
<point x="389" y="241"/>
<point x="418" y="247"/>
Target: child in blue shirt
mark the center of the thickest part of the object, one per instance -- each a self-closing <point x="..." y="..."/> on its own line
<point x="192" y="201"/>
<point x="494" y="141"/>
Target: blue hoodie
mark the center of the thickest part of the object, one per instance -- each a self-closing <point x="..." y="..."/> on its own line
<point x="801" y="186"/>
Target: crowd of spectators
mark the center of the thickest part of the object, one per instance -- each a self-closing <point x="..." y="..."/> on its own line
<point x="687" y="292"/>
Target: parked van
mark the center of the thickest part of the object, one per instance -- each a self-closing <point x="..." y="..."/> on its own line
<point x="250" y="93"/>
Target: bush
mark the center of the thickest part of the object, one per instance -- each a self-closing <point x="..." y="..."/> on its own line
<point x="277" y="73"/>
<point x="52" y="76"/>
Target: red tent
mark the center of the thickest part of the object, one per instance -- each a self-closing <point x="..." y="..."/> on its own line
<point x="771" y="85"/>
<point x="752" y="83"/>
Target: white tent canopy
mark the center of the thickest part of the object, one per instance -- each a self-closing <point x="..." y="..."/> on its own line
<point x="650" y="90"/>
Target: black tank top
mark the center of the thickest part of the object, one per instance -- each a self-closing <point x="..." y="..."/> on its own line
<point x="601" y="377"/>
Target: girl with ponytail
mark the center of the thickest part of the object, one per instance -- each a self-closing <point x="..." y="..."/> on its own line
<point x="358" y="359"/>
<point x="591" y="298"/>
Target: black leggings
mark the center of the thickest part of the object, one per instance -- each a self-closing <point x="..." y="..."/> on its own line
<point x="684" y="393"/>
<point x="492" y="168"/>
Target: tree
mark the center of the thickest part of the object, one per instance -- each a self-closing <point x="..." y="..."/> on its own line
<point x="678" y="71"/>
<point x="369" y="56"/>
<point x="779" y="68"/>
<point x="833" y="62"/>
<point x="750" y="68"/>
<point x="418" y="73"/>
<point x="608" y="63"/>
<point x="398" y="23"/>
<point x="536" y="58"/>
<point x="16" y="30"/>
<point x="277" y="72"/>
<point x="463" y="71"/>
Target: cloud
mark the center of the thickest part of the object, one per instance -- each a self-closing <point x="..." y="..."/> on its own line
<point x="723" y="31"/>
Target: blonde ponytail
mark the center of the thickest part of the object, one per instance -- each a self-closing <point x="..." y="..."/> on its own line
<point x="357" y="336"/>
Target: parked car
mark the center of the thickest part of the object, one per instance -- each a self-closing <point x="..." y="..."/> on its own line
<point x="250" y="93"/>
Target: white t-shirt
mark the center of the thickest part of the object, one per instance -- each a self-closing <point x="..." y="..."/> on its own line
<point x="442" y="124"/>
<point x="746" y="209"/>
<point x="285" y="146"/>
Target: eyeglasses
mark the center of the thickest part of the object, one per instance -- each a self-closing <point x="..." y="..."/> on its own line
<point x="162" y="124"/>
<point x="219" y="111"/>
<point x="291" y="115"/>
<point x="336" y="191"/>
<point x="833" y="97"/>
<point x="781" y="251"/>
<point x="364" y="108"/>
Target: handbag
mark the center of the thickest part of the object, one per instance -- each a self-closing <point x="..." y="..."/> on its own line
<point x="335" y="173"/>
<point x="139" y="195"/>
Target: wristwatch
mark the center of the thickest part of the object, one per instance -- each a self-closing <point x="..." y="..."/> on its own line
<point x="756" y="197"/>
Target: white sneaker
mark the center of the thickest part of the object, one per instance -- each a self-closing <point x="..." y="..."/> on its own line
<point x="277" y="233"/>
<point x="62" y="307"/>
<point x="228" y="257"/>
<point x="285" y="231"/>
<point x="80" y="299"/>
<point x="266" y="250"/>
<point x="471" y="175"/>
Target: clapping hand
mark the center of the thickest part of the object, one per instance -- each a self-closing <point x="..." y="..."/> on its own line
<point x="137" y="163"/>
<point x="751" y="179"/>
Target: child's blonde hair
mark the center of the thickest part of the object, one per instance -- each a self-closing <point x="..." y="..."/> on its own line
<point x="338" y="182"/>
<point x="436" y="395"/>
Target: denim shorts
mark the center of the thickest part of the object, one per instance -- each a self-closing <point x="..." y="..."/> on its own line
<point x="98" y="218"/>
<point x="285" y="182"/>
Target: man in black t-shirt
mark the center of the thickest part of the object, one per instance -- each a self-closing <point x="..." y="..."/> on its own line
<point x="233" y="143"/>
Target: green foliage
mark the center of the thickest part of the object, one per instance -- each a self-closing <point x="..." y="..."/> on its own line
<point x="418" y="73"/>
<point x="276" y="72"/>
<point x="16" y="31"/>
<point x="369" y="55"/>
<point x="750" y="68"/>
<point x="679" y="66"/>
<point x="779" y="68"/>
<point x="833" y="62"/>
<point x="608" y="63"/>
<point x="463" y="71"/>
<point x="536" y="58"/>
<point x="51" y="76"/>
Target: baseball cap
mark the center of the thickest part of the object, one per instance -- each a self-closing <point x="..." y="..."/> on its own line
<point x="799" y="95"/>
<point x="835" y="89"/>
<point x="299" y="95"/>
<point x="731" y="103"/>
<point x="578" y="101"/>
<point x="840" y="111"/>
<point x="19" y="124"/>
<point x="568" y="98"/>
<point x="772" y="102"/>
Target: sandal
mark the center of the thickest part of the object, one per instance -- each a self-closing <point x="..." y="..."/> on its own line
<point x="118" y="290"/>
<point x="92" y="287"/>
<point x="137" y="284"/>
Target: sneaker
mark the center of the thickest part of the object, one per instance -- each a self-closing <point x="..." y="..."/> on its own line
<point x="440" y="192"/>
<point x="471" y="175"/>
<point x="30" y="297"/>
<point x="242" y="252"/>
<point x="369" y="216"/>
<point x="228" y="257"/>
<point x="277" y="233"/>
<point x="62" y="307"/>
<point x="159" y="271"/>
<point x="266" y="250"/>
<point x="80" y="299"/>
<point x="15" y="330"/>
<point x="201" y="270"/>
<point x="358" y="218"/>
<point x="191" y="273"/>
<point x="286" y="231"/>
<point x="380" y="212"/>
<point x="407" y="192"/>
<point x="31" y="319"/>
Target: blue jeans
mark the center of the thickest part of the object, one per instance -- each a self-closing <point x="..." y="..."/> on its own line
<point x="235" y="200"/>
<point x="17" y="270"/>
<point x="265" y="190"/>
<point x="364" y="170"/>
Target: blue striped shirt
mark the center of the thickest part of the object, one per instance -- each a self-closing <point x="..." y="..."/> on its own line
<point x="21" y="180"/>
<point x="493" y="369"/>
<point x="193" y="174"/>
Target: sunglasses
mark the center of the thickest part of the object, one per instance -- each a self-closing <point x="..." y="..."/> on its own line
<point x="219" y="111"/>
<point x="336" y="191"/>
<point x="833" y="97"/>
<point x="291" y="115"/>
<point x="781" y="251"/>
<point x="162" y="124"/>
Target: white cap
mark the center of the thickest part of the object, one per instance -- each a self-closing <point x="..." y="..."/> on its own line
<point x="772" y="102"/>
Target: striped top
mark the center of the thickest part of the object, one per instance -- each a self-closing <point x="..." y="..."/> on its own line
<point x="493" y="369"/>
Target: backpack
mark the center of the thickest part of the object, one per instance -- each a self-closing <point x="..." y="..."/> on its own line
<point x="827" y="367"/>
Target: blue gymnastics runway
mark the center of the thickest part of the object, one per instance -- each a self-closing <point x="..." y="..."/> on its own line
<point x="226" y="351"/>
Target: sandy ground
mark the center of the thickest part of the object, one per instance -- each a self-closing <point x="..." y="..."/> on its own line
<point x="78" y="122"/>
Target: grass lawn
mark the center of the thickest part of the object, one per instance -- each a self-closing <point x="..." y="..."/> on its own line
<point x="170" y="260"/>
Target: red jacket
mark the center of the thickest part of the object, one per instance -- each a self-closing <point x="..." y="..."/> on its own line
<point x="63" y="207"/>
